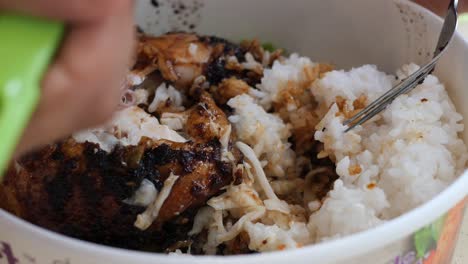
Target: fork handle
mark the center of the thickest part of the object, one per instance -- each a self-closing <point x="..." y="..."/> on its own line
<point x="26" y="48"/>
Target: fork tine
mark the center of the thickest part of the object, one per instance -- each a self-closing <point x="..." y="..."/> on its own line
<point x="382" y="99"/>
<point x="371" y="106"/>
<point x="389" y="94"/>
<point x="370" y="113"/>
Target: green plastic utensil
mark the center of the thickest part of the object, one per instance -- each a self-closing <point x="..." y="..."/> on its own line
<point x="27" y="44"/>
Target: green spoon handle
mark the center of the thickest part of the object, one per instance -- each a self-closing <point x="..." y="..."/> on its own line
<point x="26" y="47"/>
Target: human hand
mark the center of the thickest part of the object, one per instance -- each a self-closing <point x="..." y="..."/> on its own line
<point x="82" y="86"/>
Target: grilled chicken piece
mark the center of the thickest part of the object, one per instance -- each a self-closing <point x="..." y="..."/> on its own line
<point x="206" y="121"/>
<point x="203" y="122"/>
<point x="230" y="88"/>
<point x="78" y="189"/>
<point x="201" y="170"/>
<point x="179" y="57"/>
<point x="182" y="57"/>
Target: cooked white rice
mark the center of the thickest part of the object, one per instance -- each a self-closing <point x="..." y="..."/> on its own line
<point x="391" y="150"/>
<point x="383" y="166"/>
<point x="292" y="71"/>
<point x="265" y="132"/>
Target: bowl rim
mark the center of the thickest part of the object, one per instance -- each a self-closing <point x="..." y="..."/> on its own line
<point x="346" y="247"/>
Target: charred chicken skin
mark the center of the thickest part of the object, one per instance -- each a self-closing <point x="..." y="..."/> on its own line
<point x="78" y="189"/>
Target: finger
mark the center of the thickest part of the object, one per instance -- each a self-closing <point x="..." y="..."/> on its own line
<point x="67" y="10"/>
<point x="82" y="87"/>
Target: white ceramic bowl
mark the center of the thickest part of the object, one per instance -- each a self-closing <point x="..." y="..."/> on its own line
<point x="388" y="33"/>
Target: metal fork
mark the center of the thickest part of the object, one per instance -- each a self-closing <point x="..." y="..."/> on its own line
<point x="408" y="84"/>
